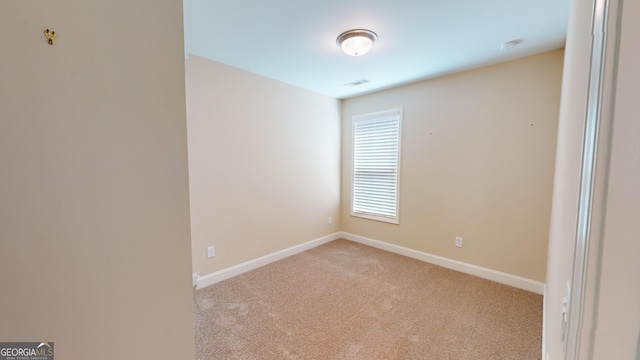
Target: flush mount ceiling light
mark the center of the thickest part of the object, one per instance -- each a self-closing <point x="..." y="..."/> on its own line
<point x="356" y="42"/>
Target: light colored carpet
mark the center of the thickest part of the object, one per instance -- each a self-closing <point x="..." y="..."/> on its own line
<point x="344" y="300"/>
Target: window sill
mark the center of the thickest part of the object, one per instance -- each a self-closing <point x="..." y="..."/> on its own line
<point x="380" y="218"/>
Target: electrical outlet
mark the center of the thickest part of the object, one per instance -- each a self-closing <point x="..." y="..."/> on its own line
<point x="211" y="251"/>
<point x="459" y="242"/>
<point x="330" y="221"/>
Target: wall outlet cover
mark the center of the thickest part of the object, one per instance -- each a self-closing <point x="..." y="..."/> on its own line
<point x="458" y="241"/>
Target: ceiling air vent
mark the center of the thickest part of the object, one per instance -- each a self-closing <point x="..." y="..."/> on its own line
<point x="357" y="82"/>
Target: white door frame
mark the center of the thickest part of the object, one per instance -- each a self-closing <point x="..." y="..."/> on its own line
<point x="582" y="316"/>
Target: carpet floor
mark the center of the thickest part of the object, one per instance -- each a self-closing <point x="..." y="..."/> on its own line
<point x="345" y="300"/>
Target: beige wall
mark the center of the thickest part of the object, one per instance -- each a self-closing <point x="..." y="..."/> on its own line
<point x="264" y="164"/>
<point x="617" y="314"/>
<point x="94" y="240"/>
<point x="611" y="318"/>
<point x="562" y="233"/>
<point x="477" y="162"/>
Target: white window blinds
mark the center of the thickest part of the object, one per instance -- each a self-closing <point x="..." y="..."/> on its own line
<point x="376" y="159"/>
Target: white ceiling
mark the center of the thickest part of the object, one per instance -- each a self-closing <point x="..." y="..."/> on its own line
<point x="293" y="41"/>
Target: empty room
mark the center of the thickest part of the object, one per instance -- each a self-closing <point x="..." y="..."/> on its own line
<point x="272" y="173"/>
<point x="320" y="180"/>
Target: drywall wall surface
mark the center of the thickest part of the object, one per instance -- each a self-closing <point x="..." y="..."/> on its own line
<point x="264" y="164"/>
<point x="477" y="162"/>
<point x="562" y="232"/>
<point x="617" y="314"/>
<point x="608" y="324"/>
<point x="94" y="239"/>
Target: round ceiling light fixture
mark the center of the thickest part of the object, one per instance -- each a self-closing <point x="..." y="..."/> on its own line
<point x="356" y="42"/>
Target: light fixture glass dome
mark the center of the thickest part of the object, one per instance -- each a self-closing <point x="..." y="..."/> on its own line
<point x="356" y="42"/>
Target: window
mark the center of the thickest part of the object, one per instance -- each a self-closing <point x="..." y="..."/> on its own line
<point x="376" y="164"/>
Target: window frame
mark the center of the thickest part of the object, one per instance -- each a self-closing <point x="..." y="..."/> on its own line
<point x="378" y="115"/>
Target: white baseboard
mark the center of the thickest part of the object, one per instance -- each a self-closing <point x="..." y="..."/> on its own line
<point x="485" y="273"/>
<point x="224" y="274"/>
<point x="545" y="356"/>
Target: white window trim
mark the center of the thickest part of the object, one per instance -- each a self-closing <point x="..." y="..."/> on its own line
<point x="372" y="116"/>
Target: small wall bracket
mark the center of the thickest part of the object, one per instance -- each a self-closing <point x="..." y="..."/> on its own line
<point x="50" y="35"/>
